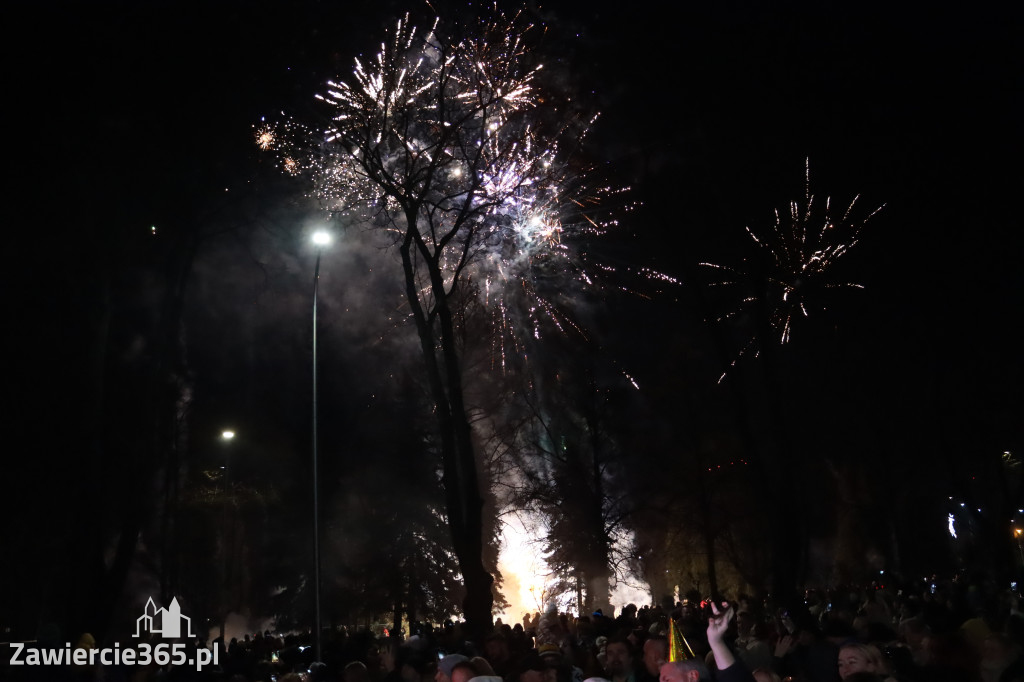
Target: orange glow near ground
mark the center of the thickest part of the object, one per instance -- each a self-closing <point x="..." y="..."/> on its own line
<point x="525" y="571"/>
<point x="523" y="568"/>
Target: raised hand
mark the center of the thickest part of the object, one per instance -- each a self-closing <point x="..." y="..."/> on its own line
<point x="718" y="624"/>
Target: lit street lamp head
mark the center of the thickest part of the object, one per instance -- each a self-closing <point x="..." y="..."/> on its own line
<point x="227" y="435"/>
<point x="321" y="238"/>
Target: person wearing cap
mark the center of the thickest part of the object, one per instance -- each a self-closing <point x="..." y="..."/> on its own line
<point x="560" y="665"/>
<point x="533" y="668"/>
<point x="464" y="671"/>
<point x="496" y="651"/>
<point x="446" y="665"/>
<point x="356" y="671"/>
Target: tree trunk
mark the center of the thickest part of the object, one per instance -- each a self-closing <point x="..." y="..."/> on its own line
<point x="707" y="531"/>
<point x="579" y="596"/>
<point x="464" y="503"/>
<point x="790" y="528"/>
<point x="598" y="580"/>
<point x="762" y="461"/>
<point x="396" y="618"/>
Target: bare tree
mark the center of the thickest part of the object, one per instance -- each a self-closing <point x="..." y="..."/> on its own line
<point x="436" y="142"/>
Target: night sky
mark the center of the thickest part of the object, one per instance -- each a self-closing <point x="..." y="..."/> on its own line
<point x="129" y="116"/>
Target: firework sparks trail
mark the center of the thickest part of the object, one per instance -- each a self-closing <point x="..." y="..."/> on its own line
<point x="802" y="247"/>
<point x="440" y="143"/>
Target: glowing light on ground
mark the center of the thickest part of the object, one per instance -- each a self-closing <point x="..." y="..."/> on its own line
<point x="527" y="575"/>
<point x="522" y="565"/>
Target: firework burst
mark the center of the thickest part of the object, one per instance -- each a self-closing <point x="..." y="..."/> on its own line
<point x="440" y="144"/>
<point x="265" y="137"/>
<point x="795" y="274"/>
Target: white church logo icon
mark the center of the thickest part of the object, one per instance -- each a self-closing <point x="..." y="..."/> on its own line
<point x="170" y="620"/>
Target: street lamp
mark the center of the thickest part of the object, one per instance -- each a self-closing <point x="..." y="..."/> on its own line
<point x="225" y="436"/>
<point x="321" y="239"/>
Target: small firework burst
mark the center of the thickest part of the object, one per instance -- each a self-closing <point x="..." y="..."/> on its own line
<point x="795" y="275"/>
<point x="265" y="137"/>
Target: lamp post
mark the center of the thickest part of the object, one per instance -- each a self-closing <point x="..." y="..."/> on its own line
<point x="321" y="239"/>
<point x="225" y="437"/>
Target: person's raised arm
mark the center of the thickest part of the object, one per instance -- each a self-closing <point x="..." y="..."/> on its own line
<point x="729" y="669"/>
<point x="718" y="624"/>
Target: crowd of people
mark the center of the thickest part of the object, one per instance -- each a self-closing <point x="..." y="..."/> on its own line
<point x="933" y="633"/>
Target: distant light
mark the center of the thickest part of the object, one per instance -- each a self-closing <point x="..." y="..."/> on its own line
<point x="321" y="238"/>
<point x="227" y="435"/>
<point x="153" y="229"/>
<point x="952" y="530"/>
